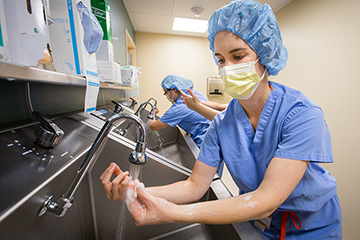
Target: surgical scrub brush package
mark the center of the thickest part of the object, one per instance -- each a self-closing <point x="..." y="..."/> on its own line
<point x="72" y="35"/>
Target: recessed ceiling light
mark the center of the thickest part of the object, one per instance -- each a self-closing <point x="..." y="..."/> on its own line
<point x="190" y="25"/>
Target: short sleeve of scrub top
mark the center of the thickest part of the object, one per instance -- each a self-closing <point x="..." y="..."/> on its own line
<point x="175" y="114"/>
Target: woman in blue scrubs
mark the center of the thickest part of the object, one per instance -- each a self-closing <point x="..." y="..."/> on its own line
<point x="178" y="114"/>
<point x="271" y="137"/>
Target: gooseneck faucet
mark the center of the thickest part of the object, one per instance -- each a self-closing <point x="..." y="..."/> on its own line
<point x="138" y="112"/>
<point x="143" y="106"/>
<point x="138" y="156"/>
<point x="155" y="101"/>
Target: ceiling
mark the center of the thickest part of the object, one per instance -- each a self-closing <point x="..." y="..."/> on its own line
<point x="156" y="16"/>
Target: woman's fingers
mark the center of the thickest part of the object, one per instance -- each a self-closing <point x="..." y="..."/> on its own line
<point x="115" y="189"/>
<point x="119" y="185"/>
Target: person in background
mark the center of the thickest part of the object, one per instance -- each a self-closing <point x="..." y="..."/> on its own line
<point x="178" y="114"/>
<point x="271" y="137"/>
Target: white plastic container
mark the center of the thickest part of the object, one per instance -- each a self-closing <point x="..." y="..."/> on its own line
<point x="27" y="31"/>
<point x="109" y="71"/>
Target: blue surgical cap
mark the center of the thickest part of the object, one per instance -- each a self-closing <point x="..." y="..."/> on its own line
<point x="257" y="26"/>
<point x="175" y="81"/>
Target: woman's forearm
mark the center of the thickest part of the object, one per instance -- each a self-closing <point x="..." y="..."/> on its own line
<point x="214" y="105"/>
<point x="178" y="193"/>
<point x="207" y="112"/>
<point x="225" y="211"/>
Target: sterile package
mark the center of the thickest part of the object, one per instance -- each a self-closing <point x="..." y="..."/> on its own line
<point x="67" y="40"/>
<point x="130" y="75"/>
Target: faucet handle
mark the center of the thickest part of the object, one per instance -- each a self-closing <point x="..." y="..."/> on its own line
<point x="133" y="102"/>
<point x="118" y="107"/>
<point x="48" y="134"/>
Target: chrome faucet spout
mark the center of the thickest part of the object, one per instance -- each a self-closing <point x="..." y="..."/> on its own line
<point x="138" y="112"/>
<point x="143" y="106"/>
<point x="138" y="156"/>
<point x="155" y="101"/>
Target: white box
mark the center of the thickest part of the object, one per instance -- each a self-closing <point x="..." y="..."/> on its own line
<point x="27" y="29"/>
<point x="67" y="39"/>
<point x="130" y="75"/>
<point x="109" y="71"/>
<point x="4" y="43"/>
<point x="105" y="51"/>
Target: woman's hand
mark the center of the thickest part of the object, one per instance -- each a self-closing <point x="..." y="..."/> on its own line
<point x="115" y="189"/>
<point x="145" y="208"/>
<point x="191" y="101"/>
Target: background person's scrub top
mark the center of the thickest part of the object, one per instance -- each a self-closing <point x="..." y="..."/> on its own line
<point x="190" y="121"/>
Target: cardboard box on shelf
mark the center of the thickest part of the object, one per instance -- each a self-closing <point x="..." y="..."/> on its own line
<point x="109" y="71"/>
<point x="105" y="51"/>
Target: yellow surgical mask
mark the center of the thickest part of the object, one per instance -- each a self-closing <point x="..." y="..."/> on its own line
<point x="170" y="98"/>
<point x="240" y="80"/>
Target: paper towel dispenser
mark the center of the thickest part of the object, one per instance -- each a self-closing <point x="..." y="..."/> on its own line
<point x="215" y="86"/>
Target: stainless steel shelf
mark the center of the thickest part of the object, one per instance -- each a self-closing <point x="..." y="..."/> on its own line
<point x="13" y="72"/>
<point x="115" y="86"/>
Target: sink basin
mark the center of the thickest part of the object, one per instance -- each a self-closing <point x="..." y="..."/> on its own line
<point x="169" y="142"/>
<point x="200" y="232"/>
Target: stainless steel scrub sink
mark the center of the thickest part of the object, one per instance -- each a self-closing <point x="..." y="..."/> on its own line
<point x="28" y="180"/>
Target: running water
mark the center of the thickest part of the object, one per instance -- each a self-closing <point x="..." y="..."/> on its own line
<point x="135" y="173"/>
<point x="120" y="231"/>
<point x="158" y="140"/>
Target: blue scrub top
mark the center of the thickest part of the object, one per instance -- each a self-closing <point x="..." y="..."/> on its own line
<point x="290" y="126"/>
<point x="189" y="120"/>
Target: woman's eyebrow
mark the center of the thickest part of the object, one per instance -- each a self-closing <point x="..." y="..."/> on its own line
<point x="237" y="49"/>
<point x="232" y="51"/>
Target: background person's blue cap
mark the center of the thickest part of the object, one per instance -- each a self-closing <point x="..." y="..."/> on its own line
<point x="257" y="26"/>
<point x="175" y="81"/>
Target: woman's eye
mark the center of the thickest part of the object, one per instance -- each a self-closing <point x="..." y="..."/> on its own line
<point x="238" y="58"/>
<point x="220" y="61"/>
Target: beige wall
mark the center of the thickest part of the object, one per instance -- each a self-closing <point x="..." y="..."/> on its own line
<point x="159" y="55"/>
<point x="322" y="38"/>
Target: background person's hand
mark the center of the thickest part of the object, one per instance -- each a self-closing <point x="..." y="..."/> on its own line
<point x="191" y="101"/>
